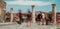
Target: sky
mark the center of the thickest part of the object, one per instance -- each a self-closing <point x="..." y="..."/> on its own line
<point x="25" y="5"/>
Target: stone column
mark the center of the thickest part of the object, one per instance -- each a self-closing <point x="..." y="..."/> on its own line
<point x="33" y="13"/>
<point x="4" y="14"/>
<point x="54" y="12"/>
<point x="11" y="11"/>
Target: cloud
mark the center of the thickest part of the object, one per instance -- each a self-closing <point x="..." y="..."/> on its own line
<point x="38" y="3"/>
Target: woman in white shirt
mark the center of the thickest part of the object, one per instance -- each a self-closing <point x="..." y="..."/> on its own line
<point x="43" y="18"/>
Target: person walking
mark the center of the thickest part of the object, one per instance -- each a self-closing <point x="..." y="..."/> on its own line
<point x="47" y="19"/>
<point x="39" y="17"/>
<point x="29" y="18"/>
<point x="20" y="17"/>
<point x="43" y="18"/>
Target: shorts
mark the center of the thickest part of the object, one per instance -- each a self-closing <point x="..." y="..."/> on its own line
<point x="28" y="19"/>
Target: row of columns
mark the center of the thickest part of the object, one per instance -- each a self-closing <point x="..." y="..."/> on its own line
<point x="33" y="13"/>
<point x="53" y="13"/>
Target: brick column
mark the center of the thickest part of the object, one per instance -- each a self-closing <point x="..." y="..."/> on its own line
<point x="0" y="10"/>
<point x="0" y="15"/>
<point x="33" y="13"/>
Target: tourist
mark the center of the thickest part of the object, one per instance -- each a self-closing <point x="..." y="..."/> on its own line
<point x="20" y="16"/>
<point x="43" y="18"/>
<point x="39" y="17"/>
<point x="29" y="18"/>
<point x="24" y="18"/>
<point x="47" y="19"/>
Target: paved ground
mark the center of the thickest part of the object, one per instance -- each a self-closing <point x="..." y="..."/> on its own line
<point x="24" y="26"/>
<point x="58" y="26"/>
<point x="7" y="23"/>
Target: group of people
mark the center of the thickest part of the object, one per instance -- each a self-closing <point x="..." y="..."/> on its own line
<point x="40" y="18"/>
<point x="25" y="18"/>
<point x="43" y="18"/>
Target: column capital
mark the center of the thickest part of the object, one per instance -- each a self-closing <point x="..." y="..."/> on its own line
<point x="33" y="5"/>
<point x="11" y="8"/>
<point x="53" y="4"/>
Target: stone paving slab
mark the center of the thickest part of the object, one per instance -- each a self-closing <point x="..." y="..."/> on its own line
<point x="7" y="23"/>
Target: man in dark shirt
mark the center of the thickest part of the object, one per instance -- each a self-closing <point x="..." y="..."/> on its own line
<point x="20" y="17"/>
<point x="39" y="17"/>
<point x="28" y="18"/>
